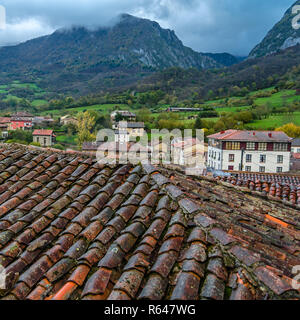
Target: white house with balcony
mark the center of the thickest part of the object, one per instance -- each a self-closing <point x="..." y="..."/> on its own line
<point x="249" y="151"/>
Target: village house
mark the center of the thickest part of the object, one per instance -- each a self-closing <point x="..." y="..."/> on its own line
<point x="295" y="162"/>
<point x="65" y="120"/>
<point x="122" y="136"/>
<point x="22" y="121"/>
<point x="40" y="120"/>
<point x="4" y="126"/>
<point x="124" y="114"/>
<point x="250" y="151"/>
<point x="295" y="156"/>
<point x="296" y="146"/>
<point x="45" y="138"/>
<point x="176" y="109"/>
<point x="135" y="129"/>
<point x="161" y="150"/>
<point x="189" y="152"/>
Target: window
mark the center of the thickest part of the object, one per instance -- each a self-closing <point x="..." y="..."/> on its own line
<point x="233" y="145"/>
<point x="262" y="158"/>
<point x="37" y="139"/>
<point x="230" y="168"/>
<point x="279" y="170"/>
<point x="45" y="141"/>
<point x="231" y="158"/>
<point x="262" y="146"/>
<point x="298" y="150"/>
<point x="280" y="147"/>
<point x="248" y="168"/>
<point x="249" y="158"/>
<point x="280" y="159"/>
<point x="262" y="169"/>
<point x="250" y="145"/>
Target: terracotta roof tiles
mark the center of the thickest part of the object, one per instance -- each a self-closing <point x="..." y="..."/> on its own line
<point x="73" y="229"/>
<point x="258" y="136"/>
<point x="42" y="132"/>
<point x="280" y="187"/>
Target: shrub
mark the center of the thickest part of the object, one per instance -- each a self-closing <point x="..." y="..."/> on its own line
<point x="21" y="135"/>
<point x="17" y="141"/>
<point x="58" y="146"/>
<point x="36" y="144"/>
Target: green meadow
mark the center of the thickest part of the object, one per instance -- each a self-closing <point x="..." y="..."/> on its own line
<point x="103" y="108"/>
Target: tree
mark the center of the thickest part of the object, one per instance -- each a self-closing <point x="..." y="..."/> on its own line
<point x="71" y="129"/>
<point x="119" y="117"/>
<point x="198" y="123"/>
<point x="144" y="115"/>
<point x="244" y="116"/>
<point x="21" y="135"/>
<point x="86" y="123"/>
<point x="291" y="130"/>
<point x="219" y="126"/>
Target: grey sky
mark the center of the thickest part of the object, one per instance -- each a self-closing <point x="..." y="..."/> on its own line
<point x="234" y="26"/>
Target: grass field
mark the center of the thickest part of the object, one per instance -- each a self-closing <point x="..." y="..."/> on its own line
<point x="279" y="99"/>
<point x="39" y="102"/>
<point x="9" y="91"/>
<point x="276" y="121"/>
<point x="12" y="97"/>
<point x="64" y="139"/>
<point x="32" y="86"/>
<point x="104" y="108"/>
<point x="232" y="109"/>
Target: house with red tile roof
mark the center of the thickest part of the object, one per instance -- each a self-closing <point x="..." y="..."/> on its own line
<point x="22" y="121"/>
<point x="46" y="138"/>
<point x="74" y="229"/>
<point x="250" y="151"/>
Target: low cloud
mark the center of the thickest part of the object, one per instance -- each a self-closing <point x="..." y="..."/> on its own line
<point x="23" y="30"/>
<point x="234" y="26"/>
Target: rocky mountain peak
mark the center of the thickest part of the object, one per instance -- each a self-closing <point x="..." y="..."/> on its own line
<point x="282" y="36"/>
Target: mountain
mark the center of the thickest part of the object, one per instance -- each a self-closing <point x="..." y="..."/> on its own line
<point x="278" y="69"/>
<point x="225" y="59"/>
<point x="280" y="37"/>
<point x="81" y="60"/>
